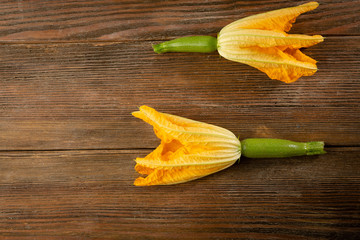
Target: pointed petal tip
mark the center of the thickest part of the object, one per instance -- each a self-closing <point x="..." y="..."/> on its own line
<point x="140" y="181"/>
<point x="319" y="37"/>
<point x="309" y="6"/>
<point x="313" y="4"/>
<point x="144" y="107"/>
<point x="136" y="113"/>
<point x="141" y="111"/>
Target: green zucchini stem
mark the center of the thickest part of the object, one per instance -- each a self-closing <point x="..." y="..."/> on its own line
<point x="278" y="148"/>
<point x="202" y="44"/>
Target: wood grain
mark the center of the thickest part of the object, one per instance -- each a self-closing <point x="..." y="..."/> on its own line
<point x="148" y="20"/>
<point x="71" y="73"/>
<point x="80" y="96"/>
<point x="89" y="195"/>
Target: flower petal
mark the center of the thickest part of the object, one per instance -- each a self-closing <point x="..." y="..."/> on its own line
<point x="277" y="20"/>
<point x="274" y="62"/>
<point x="298" y="55"/>
<point x="188" y="149"/>
<point x="174" y="175"/>
<point x="265" y="38"/>
<point x="168" y="127"/>
<point x="146" y="170"/>
<point x="191" y="155"/>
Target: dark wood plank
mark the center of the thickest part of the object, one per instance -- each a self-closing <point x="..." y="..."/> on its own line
<point x="73" y="71"/>
<point x="148" y="20"/>
<point x="89" y="195"/>
<point x="80" y="96"/>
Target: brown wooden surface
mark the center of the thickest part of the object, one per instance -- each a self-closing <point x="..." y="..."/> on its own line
<point x="73" y="71"/>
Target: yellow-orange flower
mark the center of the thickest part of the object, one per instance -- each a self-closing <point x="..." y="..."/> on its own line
<point x="188" y="149"/>
<point x="261" y="41"/>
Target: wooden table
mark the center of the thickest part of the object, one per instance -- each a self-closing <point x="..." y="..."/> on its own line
<point x="73" y="71"/>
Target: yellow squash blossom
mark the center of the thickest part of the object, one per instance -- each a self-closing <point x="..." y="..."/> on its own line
<point x="260" y="41"/>
<point x="190" y="149"/>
